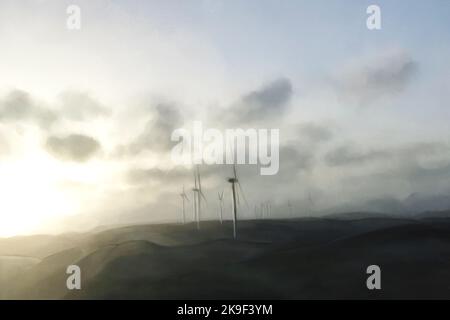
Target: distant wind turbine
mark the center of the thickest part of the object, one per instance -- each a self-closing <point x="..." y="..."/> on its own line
<point x="184" y="198"/>
<point x="198" y="195"/>
<point x="195" y="200"/>
<point x="290" y="208"/>
<point x="311" y="202"/>
<point x="220" y="194"/>
<point x="236" y="189"/>
<point x="268" y="209"/>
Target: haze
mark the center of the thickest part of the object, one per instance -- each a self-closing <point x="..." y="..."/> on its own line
<point x="86" y="116"/>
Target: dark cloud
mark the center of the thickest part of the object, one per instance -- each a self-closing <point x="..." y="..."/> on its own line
<point x="351" y="155"/>
<point x="74" y="147"/>
<point x="385" y="76"/>
<point x="293" y="163"/>
<point x="411" y="205"/>
<point x="315" y="132"/>
<point x="269" y="101"/>
<point x="417" y="202"/>
<point x="385" y="205"/>
<point x="19" y="106"/>
<point x="265" y="103"/>
<point x="347" y="155"/>
<point x="292" y="159"/>
<point x="79" y="106"/>
<point x="412" y="172"/>
<point x="404" y="171"/>
<point x="157" y="132"/>
<point x="423" y="148"/>
<point x="399" y="180"/>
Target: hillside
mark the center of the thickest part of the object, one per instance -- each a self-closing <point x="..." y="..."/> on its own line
<point x="286" y="259"/>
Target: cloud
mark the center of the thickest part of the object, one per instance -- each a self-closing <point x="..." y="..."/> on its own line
<point x="156" y="135"/>
<point x="315" y="132"/>
<point x="417" y="202"/>
<point x="19" y="106"/>
<point x="177" y="176"/>
<point x="268" y="101"/>
<point x="79" y="106"/>
<point x="404" y="188"/>
<point x="292" y="159"/>
<point x="373" y="179"/>
<point x="157" y="176"/>
<point x="382" y="76"/>
<point x="351" y="155"/>
<point x="74" y="147"/>
<point x="347" y="155"/>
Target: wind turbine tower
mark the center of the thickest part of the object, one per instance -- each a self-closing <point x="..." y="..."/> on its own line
<point x="221" y="206"/>
<point x="311" y="203"/>
<point x="290" y="208"/>
<point x="184" y="198"/>
<point x="235" y="184"/>
<point x="198" y="195"/>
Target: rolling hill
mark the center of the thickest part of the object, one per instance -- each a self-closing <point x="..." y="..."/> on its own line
<point x="282" y="259"/>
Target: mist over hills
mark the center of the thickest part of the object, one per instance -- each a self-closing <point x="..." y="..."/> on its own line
<point x="305" y="258"/>
<point x="415" y="204"/>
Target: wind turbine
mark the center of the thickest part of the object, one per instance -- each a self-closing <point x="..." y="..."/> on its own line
<point x="195" y="198"/>
<point x="311" y="203"/>
<point x="220" y="194"/>
<point x="198" y="195"/>
<point x="290" y="208"/>
<point x="235" y="184"/>
<point x="184" y="197"/>
<point x="268" y="209"/>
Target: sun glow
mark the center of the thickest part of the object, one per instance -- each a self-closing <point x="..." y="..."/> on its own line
<point x="30" y="197"/>
<point x="32" y="186"/>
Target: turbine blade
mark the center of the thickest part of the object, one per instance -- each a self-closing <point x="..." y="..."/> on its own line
<point x="203" y="196"/>
<point x="242" y="192"/>
<point x="195" y="179"/>
<point x="198" y="177"/>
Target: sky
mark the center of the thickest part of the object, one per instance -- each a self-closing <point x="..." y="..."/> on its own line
<point x="86" y="115"/>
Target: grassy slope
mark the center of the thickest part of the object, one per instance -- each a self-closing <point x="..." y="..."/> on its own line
<point x="304" y="258"/>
